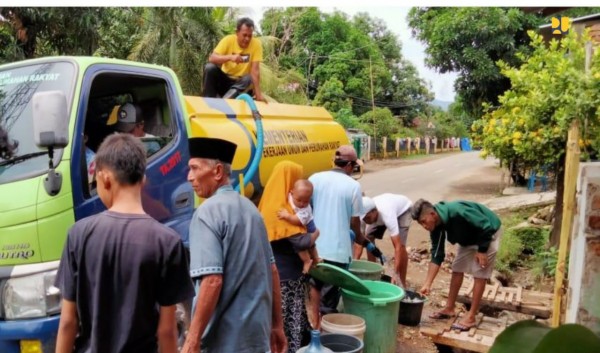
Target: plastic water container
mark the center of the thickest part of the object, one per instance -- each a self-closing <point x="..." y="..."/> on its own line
<point x="380" y="312"/>
<point x="344" y="324"/>
<point x="366" y="270"/>
<point x="315" y="345"/>
<point x="340" y="343"/>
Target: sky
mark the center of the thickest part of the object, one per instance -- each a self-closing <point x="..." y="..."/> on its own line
<point x="442" y="85"/>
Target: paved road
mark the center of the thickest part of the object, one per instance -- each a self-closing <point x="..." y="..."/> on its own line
<point x="430" y="180"/>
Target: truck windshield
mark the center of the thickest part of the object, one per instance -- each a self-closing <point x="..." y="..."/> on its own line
<point x="19" y="156"/>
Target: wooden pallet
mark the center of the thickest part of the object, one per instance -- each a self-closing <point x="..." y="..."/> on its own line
<point x="514" y="299"/>
<point x="477" y="339"/>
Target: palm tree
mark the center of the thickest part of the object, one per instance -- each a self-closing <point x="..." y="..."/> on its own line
<point x="181" y="38"/>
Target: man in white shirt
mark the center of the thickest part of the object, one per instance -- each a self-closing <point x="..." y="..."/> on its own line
<point x="391" y="212"/>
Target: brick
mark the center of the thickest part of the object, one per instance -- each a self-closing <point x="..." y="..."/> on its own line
<point x="594" y="222"/>
<point x="596" y="202"/>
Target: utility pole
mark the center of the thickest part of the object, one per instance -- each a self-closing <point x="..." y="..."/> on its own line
<point x="308" y="79"/>
<point x="373" y="107"/>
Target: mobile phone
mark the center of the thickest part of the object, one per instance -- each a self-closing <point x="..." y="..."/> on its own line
<point x="245" y="58"/>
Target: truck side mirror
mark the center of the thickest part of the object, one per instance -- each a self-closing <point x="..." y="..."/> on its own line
<point x="50" y="119"/>
<point x="51" y="130"/>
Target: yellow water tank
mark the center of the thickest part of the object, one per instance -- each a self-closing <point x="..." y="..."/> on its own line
<point x="303" y="134"/>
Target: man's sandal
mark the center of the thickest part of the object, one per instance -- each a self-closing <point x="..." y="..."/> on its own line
<point x="460" y="327"/>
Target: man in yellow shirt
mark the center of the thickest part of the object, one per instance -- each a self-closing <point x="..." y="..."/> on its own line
<point x="234" y="65"/>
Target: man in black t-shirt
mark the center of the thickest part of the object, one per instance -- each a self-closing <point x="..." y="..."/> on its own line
<point x="121" y="272"/>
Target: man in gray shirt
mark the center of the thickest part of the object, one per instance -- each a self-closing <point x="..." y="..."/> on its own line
<point x="238" y="306"/>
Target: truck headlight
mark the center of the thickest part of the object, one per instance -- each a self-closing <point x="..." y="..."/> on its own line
<point x="31" y="296"/>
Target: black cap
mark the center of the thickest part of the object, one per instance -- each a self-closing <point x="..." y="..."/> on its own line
<point x="212" y="148"/>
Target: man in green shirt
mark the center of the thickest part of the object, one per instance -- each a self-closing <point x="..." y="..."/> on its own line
<point x="477" y="231"/>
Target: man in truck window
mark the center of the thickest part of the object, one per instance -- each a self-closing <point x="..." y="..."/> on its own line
<point x="234" y="65"/>
<point x="121" y="272"/>
<point x="128" y="118"/>
<point x="238" y="306"/>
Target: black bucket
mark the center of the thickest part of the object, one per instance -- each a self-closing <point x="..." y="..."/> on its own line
<point x="340" y="343"/>
<point x="411" y="308"/>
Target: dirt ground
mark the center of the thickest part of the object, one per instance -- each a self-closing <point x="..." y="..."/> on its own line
<point x="480" y="188"/>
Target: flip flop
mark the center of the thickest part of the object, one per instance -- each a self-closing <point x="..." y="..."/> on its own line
<point x="460" y="327"/>
<point x="441" y="316"/>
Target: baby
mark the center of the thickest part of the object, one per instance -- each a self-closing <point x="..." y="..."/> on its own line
<point x="299" y="198"/>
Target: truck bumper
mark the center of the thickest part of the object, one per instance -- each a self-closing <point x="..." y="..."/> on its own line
<point x="43" y="330"/>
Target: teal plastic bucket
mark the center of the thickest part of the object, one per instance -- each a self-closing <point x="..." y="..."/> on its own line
<point x="366" y="270"/>
<point x="380" y="312"/>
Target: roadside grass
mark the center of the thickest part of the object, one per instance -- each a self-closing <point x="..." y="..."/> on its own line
<point x="524" y="248"/>
<point x="423" y="155"/>
<point x="403" y="156"/>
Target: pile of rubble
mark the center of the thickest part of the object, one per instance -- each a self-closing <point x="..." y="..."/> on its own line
<point x="544" y="216"/>
<point x="421" y="255"/>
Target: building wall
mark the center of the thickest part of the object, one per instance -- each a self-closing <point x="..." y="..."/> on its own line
<point x="583" y="301"/>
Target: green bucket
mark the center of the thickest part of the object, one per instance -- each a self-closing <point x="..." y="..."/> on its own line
<point x="366" y="270"/>
<point x="380" y="312"/>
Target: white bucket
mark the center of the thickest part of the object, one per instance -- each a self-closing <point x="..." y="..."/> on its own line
<point x="345" y="324"/>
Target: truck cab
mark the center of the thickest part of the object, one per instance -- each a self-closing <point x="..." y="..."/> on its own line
<point x="33" y="223"/>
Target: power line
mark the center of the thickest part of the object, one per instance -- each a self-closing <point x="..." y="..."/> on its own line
<point x="351" y="50"/>
<point x="377" y="103"/>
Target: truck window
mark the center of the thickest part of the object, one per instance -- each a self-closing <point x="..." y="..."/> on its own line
<point x="127" y="104"/>
<point x="19" y="156"/>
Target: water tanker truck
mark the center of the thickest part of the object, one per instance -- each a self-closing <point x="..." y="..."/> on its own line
<point x="53" y="109"/>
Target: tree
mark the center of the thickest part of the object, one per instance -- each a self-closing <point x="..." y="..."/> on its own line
<point x="548" y="92"/>
<point x="379" y="123"/>
<point x="9" y="48"/>
<point x="332" y="97"/>
<point x="411" y="95"/>
<point x="181" y="38"/>
<point x="469" y="41"/>
<point x="457" y="112"/>
<point x="346" y="118"/>
<point x="41" y="31"/>
<point x="282" y="86"/>
<point x="322" y="46"/>
<point x="446" y="125"/>
<point x="118" y="36"/>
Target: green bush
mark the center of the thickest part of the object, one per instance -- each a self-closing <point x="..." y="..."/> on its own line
<point x="509" y="252"/>
<point x="516" y="243"/>
<point x="533" y="239"/>
<point x="545" y="263"/>
<point x="404" y="132"/>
